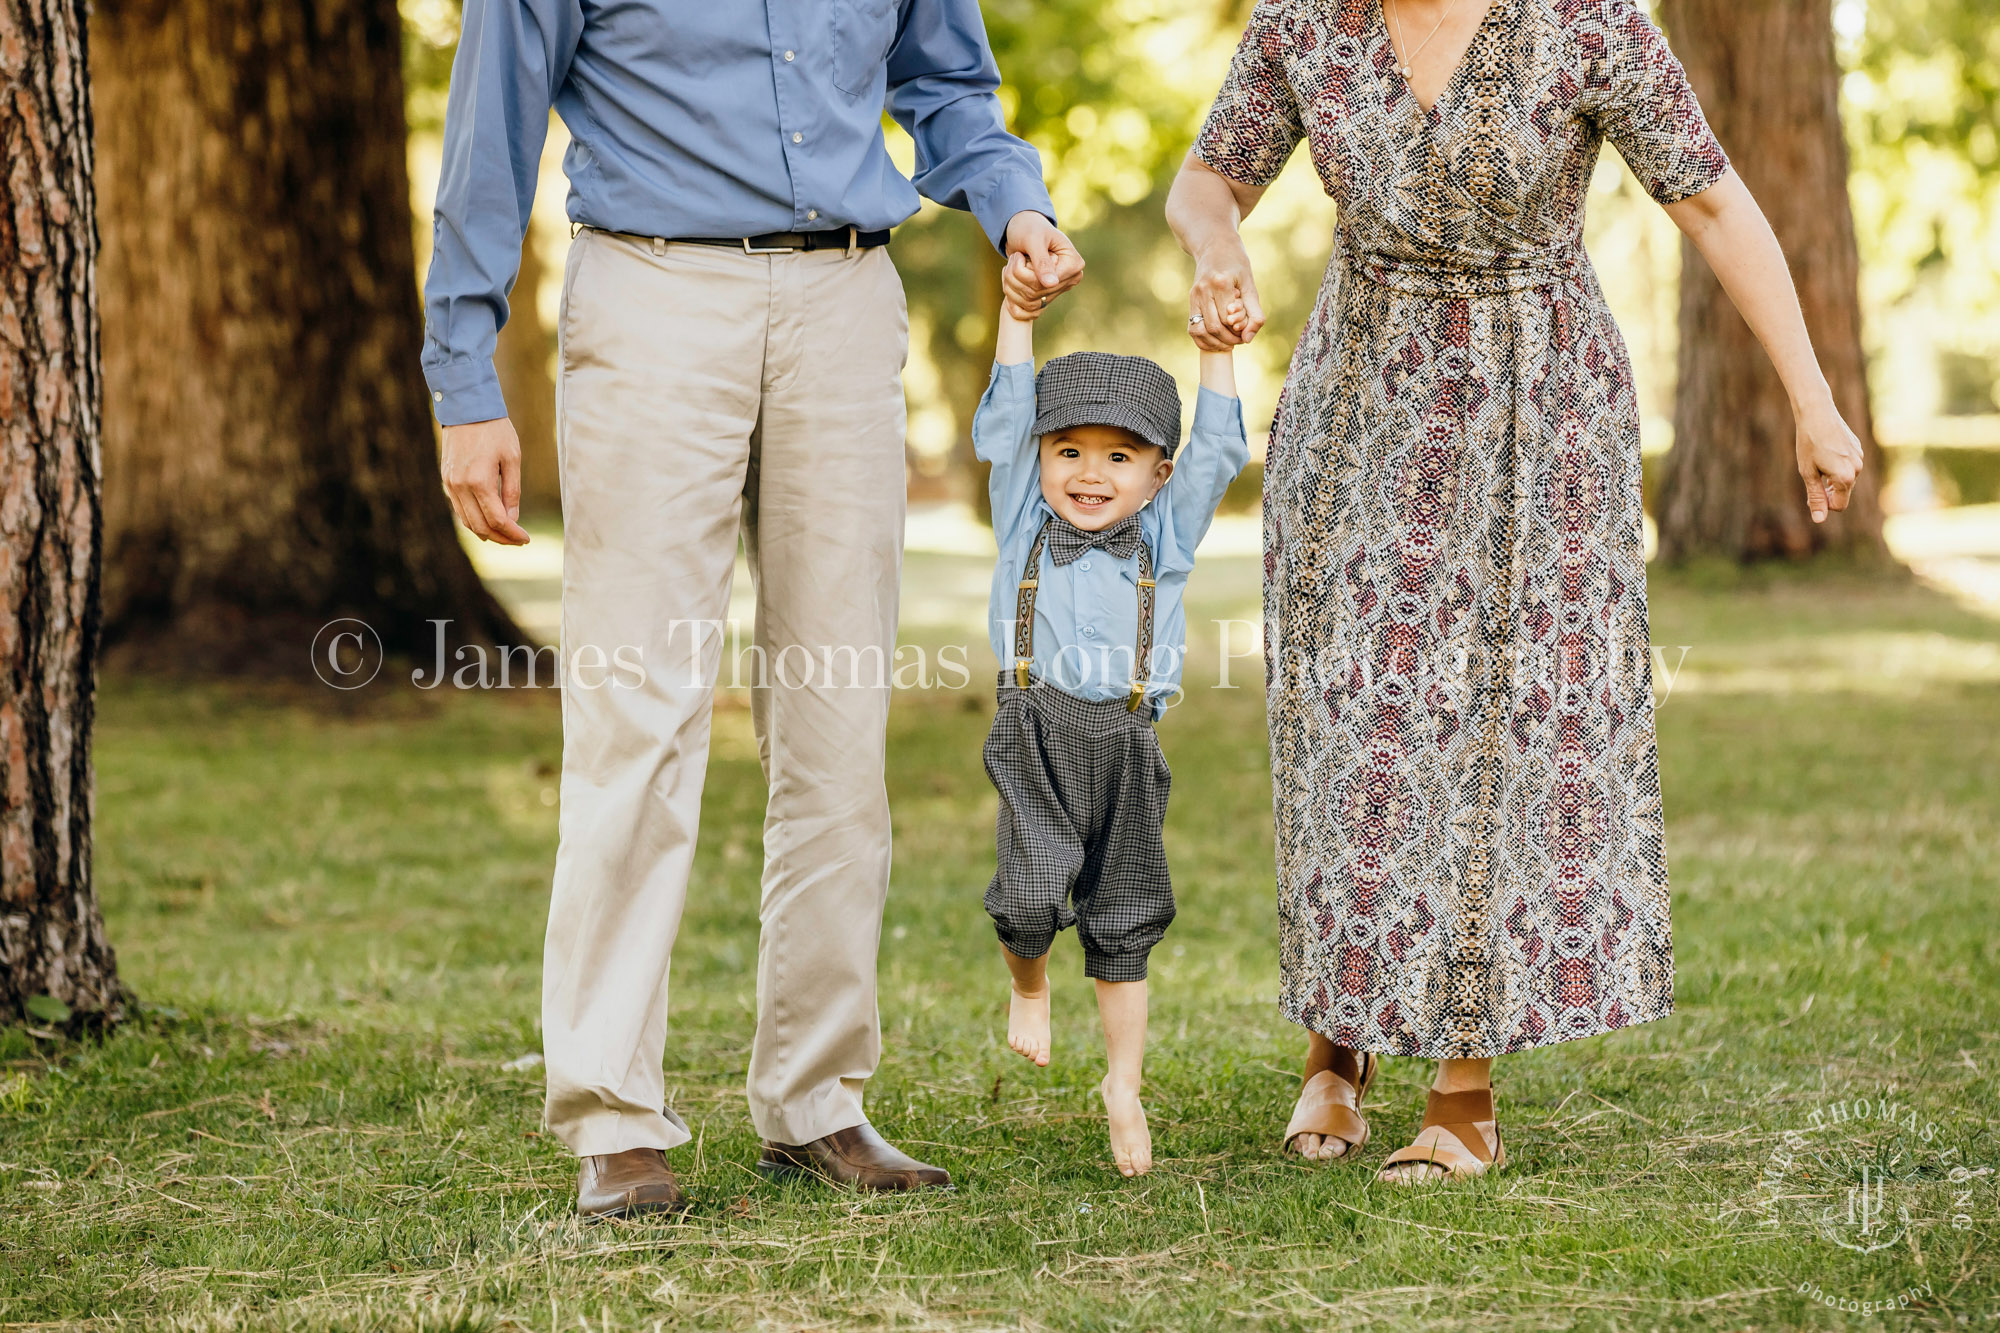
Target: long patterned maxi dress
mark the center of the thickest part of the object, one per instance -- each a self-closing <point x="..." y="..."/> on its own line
<point x="1467" y="793"/>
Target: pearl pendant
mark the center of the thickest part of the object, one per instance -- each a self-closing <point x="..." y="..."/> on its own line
<point x="1405" y="71"/>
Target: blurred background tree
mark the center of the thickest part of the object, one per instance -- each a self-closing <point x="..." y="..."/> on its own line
<point x="267" y="434"/>
<point x="1922" y="104"/>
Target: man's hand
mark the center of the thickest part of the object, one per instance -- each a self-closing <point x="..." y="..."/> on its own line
<point x="1052" y="264"/>
<point x="482" y="478"/>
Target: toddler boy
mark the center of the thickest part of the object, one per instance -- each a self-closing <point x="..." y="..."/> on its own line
<point x="1097" y="520"/>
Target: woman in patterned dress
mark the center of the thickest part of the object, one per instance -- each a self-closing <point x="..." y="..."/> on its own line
<point x="1465" y="783"/>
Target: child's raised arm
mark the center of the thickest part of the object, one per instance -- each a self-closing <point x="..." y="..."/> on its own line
<point x="1003" y="427"/>
<point x="1216" y="450"/>
<point x="1015" y="341"/>
<point x="1218" y="373"/>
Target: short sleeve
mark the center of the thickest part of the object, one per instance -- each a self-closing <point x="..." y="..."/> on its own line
<point x="1638" y="94"/>
<point x="1254" y="124"/>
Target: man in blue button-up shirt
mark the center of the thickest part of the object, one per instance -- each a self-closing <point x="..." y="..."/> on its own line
<point x="733" y="335"/>
<point x="719" y="119"/>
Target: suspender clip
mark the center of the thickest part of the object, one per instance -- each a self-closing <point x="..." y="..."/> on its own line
<point x="1024" y="622"/>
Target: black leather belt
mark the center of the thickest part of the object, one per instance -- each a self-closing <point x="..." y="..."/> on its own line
<point x="771" y="242"/>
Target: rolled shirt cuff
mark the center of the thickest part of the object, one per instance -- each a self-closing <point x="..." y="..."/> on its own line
<point x="1217" y="414"/>
<point x="1011" y="193"/>
<point x="1014" y="380"/>
<point x="464" y="391"/>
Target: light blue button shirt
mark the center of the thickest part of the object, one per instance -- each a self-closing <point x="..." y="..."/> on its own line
<point x="712" y="118"/>
<point x="1087" y="612"/>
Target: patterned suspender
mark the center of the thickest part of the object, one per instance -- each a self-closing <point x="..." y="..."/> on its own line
<point x="1024" y="621"/>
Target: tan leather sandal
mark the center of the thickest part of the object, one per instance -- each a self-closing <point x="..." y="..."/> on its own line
<point x="1330" y="1107"/>
<point x="1451" y="1121"/>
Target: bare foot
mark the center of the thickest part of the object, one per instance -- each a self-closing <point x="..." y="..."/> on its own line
<point x="1028" y="1025"/>
<point x="1131" y="1140"/>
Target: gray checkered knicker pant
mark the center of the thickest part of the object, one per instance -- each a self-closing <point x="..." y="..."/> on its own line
<point x="1083" y="799"/>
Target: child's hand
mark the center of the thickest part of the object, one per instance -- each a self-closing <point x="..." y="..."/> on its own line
<point x="1019" y="285"/>
<point x="1234" y="315"/>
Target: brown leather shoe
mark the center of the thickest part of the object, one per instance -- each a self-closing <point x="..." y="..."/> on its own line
<point x="627" y="1184"/>
<point x="858" y="1158"/>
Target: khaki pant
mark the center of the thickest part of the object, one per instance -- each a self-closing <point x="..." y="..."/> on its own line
<point x="705" y="392"/>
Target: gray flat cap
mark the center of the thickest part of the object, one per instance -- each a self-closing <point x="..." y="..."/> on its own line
<point x="1104" y="389"/>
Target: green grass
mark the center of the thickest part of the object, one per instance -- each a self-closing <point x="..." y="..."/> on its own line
<point x="334" y="916"/>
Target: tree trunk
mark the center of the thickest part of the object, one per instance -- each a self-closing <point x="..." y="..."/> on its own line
<point x="55" y="964"/>
<point x="1766" y="76"/>
<point x="522" y="361"/>
<point x="267" y="439"/>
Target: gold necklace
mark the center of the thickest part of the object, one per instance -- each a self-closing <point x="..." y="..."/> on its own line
<point x="1410" y="59"/>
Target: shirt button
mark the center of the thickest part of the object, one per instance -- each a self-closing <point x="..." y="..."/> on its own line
<point x="788" y="57"/>
<point x="437" y="397"/>
<point x="1083" y="564"/>
<point x="811" y="214"/>
<point x="798" y="138"/>
<point x="1090" y="631"/>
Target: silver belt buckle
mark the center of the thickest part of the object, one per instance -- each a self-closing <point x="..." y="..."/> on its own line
<point x="750" y="249"/>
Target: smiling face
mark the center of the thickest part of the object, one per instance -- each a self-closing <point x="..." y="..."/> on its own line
<point x="1095" y="475"/>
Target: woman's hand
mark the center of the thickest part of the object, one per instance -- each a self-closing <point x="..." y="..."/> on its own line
<point x="1829" y="458"/>
<point x="1205" y="210"/>
<point x="1223" y="309"/>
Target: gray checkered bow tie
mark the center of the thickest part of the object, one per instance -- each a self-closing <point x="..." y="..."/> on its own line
<point x="1068" y="542"/>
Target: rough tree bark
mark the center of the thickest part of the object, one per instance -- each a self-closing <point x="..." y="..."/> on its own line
<point x="267" y="441"/>
<point x="1766" y="75"/>
<point x="522" y="362"/>
<point x="53" y="953"/>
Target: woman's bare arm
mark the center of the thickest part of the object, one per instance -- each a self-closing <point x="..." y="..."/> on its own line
<point x="1731" y="232"/>
<point x="1205" y="208"/>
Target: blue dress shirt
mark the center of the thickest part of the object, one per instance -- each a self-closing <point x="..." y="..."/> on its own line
<point x="702" y="118"/>
<point x="1087" y="612"/>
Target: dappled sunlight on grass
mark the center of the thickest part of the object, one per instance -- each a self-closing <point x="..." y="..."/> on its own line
<point x="1862" y="663"/>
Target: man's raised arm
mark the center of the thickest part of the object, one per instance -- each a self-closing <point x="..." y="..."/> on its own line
<point x="942" y="86"/>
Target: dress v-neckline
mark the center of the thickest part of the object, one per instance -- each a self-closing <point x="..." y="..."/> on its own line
<point x="1381" y="8"/>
